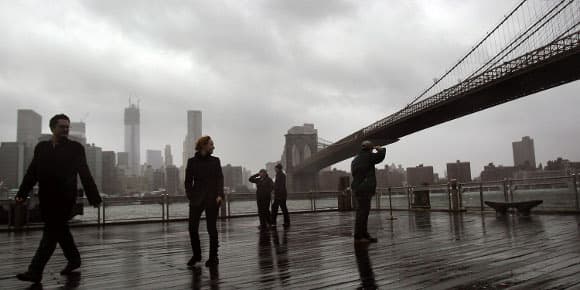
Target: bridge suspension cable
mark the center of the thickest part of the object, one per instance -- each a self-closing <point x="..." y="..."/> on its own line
<point x="531" y="24"/>
<point x="534" y="47"/>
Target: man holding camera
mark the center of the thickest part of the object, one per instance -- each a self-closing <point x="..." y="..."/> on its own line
<point x="364" y="185"/>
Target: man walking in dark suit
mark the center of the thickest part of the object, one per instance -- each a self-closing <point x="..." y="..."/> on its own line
<point x="364" y="185"/>
<point x="55" y="166"/>
<point x="280" y="195"/>
<point x="264" y="185"/>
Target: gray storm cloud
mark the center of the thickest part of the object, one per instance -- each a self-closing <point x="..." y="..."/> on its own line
<point x="257" y="68"/>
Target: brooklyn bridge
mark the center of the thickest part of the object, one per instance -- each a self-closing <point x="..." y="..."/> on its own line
<point x="535" y="47"/>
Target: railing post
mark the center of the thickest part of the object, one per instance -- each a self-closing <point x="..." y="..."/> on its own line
<point x="481" y="196"/>
<point x="228" y="201"/>
<point x="409" y="194"/>
<point x="99" y="213"/>
<point x="223" y="209"/>
<point x="104" y="205"/>
<point x="167" y="202"/>
<point x="449" y="195"/>
<point x="460" y="194"/>
<point x="574" y="180"/>
<point x="390" y="205"/>
<point x="511" y="190"/>
<point x="163" y="202"/>
<point x="314" y="199"/>
<point x="167" y="209"/>
<point x="505" y="194"/>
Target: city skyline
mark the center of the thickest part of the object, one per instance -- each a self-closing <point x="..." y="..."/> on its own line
<point x="339" y="79"/>
<point x="79" y="134"/>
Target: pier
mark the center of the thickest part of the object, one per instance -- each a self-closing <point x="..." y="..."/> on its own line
<point x="420" y="249"/>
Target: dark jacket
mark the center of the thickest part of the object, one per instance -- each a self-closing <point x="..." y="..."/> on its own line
<point x="362" y="168"/>
<point x="204" y="180"/>
<point x="280" y="186"/>
<point x="56" y="168"/>
<point x="264" y="186"/>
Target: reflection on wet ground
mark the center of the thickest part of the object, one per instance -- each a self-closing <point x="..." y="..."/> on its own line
<point x="433" y="250"/>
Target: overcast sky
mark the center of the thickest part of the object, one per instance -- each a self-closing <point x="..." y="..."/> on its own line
<point x="256" y="68"/>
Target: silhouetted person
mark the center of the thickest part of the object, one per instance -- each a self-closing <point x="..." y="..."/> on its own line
<point x="364" y="185"/>
<point x="280" y="195"/>
<point x="204" y="186"/>
<point x="365" y="269"/>
<point x="55" y="167"/>
<point x="264" y="185"/>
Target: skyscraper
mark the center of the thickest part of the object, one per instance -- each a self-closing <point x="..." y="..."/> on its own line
<point x="459" y="170"/>
<point x="420" y="175"/>
<point x="12" y="166"/>
<point x="29" y="127"/>
<point x="158" y="179"/>
<point x="155" y="159"/>
<point x="524" y="154"/>
<point x="391" y="175"/>
<point x="77" y="132"/>
<point x="132" y="138"/>
<point x="194" y="122"/>
<point x="233" y="176"/>
<point x="172" y="180"/>
<point x="28" y="130"/>
<point x="109" y="173"/>
<point x="94" y="157"/>
<point x="123" y="161"/>
<point x="496" y="173"/>
<point x="168" y="156"/>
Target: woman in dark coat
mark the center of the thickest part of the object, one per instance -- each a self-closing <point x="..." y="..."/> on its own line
<point x="204" y="186"/>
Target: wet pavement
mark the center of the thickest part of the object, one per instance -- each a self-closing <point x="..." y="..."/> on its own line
<point x="418" y="250"/>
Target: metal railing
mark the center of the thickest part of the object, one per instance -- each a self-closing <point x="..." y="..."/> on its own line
<point x="558" y="193"/>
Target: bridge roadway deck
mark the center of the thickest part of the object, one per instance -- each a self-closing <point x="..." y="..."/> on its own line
<point x="418" y="250"/>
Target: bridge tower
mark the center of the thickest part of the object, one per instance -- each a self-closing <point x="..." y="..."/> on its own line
<point x="301" y="143"/>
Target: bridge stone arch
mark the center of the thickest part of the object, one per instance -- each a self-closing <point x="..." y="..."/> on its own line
<point x="296" y="158"/>
<point x="306" y="153"/>
<point x="301" y="143"/>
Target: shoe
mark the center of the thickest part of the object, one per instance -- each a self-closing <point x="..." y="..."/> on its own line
<point x="69" y="268"/>
<point x="193" y="261"/>
<point x="29" y="277"/>
<point x="212" y="262"/>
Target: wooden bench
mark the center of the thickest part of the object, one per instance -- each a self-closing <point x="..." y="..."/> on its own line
<point x="523" y="207"/>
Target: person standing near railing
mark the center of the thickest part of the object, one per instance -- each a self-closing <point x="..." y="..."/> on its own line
<point x="55" y="166"/>
<point x="280" y="195"/>
<point x="204" y="186"/>
<point x="264" y="185"/>
<point x="364" y="185"/>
